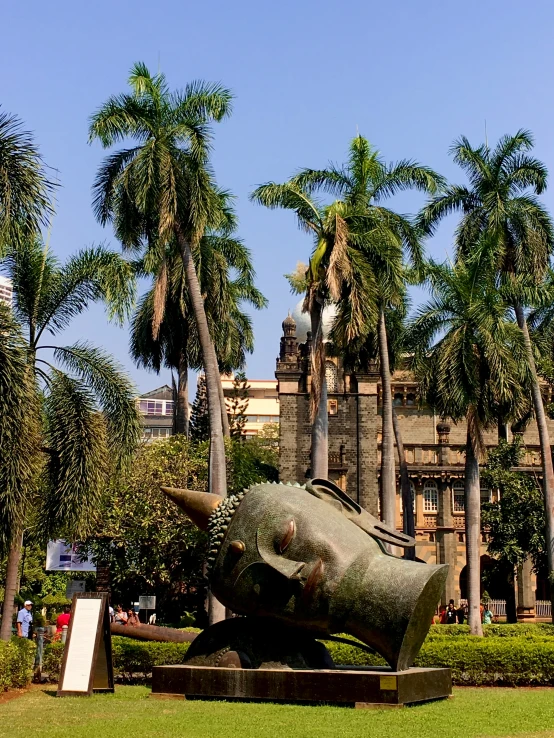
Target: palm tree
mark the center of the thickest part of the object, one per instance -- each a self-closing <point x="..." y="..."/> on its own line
<point x="24" y="189"/>
<point x="469" y="358"/>
<point x="161" y="191"/>
<point x="384" y="240"/>
<point x="80" y="406"/>
<point x="333" y="268"/>
<point x="226" y="274"/>
<point x="501" y="213"/>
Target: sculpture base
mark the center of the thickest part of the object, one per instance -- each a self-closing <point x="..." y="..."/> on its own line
<point x="352" y="686"/>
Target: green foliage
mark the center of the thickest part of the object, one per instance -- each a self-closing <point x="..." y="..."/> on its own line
<point x="251" y="461"/>
<point x="17" y="657"/>
<point x="199" y="420"/>
<point x="131" y="658"/>
<point x="238" y="405"/>
<point x="515" y="524"/>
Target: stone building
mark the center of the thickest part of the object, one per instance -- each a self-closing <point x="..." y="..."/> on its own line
<point x="434" y="453"/>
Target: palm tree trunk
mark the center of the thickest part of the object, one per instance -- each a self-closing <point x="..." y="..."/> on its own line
<point x="224" y="416"/>
<point x="408" y="522"/>
<point x="320" y="424"/>
<point x="218" y="481"/>
<point x="546" y="450"/>
<point x="182" y="416"/>
<point x="473" y="537"/>
<point x="388" y="473"/>
<point x="12" y="571"/>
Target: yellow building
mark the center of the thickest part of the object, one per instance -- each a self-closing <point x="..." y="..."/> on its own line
<point x="263" y="403"/>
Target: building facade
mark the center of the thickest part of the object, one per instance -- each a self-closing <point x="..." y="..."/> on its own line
<point x="263" y="403"/>
<point x="6" y="291"/>
<point x="156" y="411"/>
<point x="435" y="454"/>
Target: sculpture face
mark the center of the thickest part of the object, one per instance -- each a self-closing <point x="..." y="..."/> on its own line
<point x="313" y="559"/>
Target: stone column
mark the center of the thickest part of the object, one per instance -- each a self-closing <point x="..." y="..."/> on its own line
<point x="368" y="424"/>
<point x="446" y="539"/>
<point x="525" y="594"/>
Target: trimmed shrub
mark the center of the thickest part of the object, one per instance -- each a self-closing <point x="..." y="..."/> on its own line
<point x="17" y="657"/>
<point x="131" y="658"/>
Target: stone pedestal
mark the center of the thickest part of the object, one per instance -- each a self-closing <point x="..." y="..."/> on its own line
<point x="525" y="591"/>
<point x="348" y="686"/>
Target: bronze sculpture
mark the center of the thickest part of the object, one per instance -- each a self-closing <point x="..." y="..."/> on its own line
<point x="304" y="563"/>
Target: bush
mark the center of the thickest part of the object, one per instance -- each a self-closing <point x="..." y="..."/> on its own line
<point x="17" y="657"/>
<point x="131" y="658"/>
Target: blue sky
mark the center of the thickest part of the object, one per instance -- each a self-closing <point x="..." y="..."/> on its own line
<point x="410" y="76"/>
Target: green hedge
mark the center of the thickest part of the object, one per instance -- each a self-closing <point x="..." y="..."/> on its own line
<point x="17" y="657"/>
<point x="508" y="655"/>
<point x="131" y="659"/>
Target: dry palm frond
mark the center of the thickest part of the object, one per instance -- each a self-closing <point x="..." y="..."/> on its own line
<point x="340" y="268"/>
<point x="160" y="295"/>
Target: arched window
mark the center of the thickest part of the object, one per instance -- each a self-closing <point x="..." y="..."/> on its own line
<point x="430" y="496"/>
<point x="410" y="399"/>
<point x="398" y="399"/>
<point x="412" y="490"/>
<point x="458" y="497"/>
<point x="331" y="376"/>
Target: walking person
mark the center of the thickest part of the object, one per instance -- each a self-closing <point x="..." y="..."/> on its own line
<point x="63" y="618"/>
<point x="451" y="614"/>
<point x="25" y="620"/>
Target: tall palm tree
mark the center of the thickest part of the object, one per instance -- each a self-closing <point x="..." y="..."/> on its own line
<point x="505" y="228"/>
<point x="24" y="188"/>
<point x="332" y="269"/>
<point x="161" y="190"/>
<point x="81" y="406"/>
<point x="469" y="358"/>
<point x="226" y="274"/>
<point x="362" y="184"/>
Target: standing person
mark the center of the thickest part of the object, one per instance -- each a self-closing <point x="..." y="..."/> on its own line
<point x="120" y="616"/>
<point x="487" y="615"/>
<point x="25" y="620"/>
<point x="451" y="614"/>
<point x="442" y="615"/>
<point x="63" y="618"/>
<point x="461" y="614"/>
<point x="132" y="618"/>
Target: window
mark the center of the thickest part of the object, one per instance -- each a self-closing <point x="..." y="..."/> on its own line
<point x="251" y="418"/>
<point x="332" y="407"/>
<point x="398" y="399"/>
<point x="151" y="407"/>
<point x="459" y="497"/>
<point x="430" y="497"/>
<point x="266" y="418"/>
<point x="485" y="495"/>
<point x="410" y="399"/>
<point x="169" y="407"/>
<point x="412" y="490"/>
<point x="331" y="376"/>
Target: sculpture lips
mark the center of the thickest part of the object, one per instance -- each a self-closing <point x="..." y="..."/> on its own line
<point x="197" y="505"/>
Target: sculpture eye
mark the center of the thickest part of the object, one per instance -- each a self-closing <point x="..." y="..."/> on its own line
<point x="290" y="531"/>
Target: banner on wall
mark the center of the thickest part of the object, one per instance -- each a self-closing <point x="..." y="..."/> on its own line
<point x="63" y="556"/>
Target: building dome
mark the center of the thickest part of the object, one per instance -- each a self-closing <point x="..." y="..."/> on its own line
<point x="289" y="325"/>
<point x="303" y="324"/>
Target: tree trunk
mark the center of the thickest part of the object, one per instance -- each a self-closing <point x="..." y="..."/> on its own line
<point x="224" y="416"/>
<point x="408" y="522"/>
<point x="182" y="411"/>
<point x="12" y="571"/>
<point x="320" y="424"/>
<point x="218" y="481"/>
<point x="511" y="604"/>
<point x="473" y="537"/>
<point x="388" y="473"/>
<point x="546" y="450"/>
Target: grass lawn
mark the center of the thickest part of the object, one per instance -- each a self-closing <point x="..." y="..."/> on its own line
<point x="129" y="712"/>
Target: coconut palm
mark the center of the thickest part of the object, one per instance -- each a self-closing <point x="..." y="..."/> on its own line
<point x="24" y="188"/>
<point x="161" y="190"/>
<point x="469" y="358"/>
<point x="80" y="406"/>
<point x="362" y="184"/>
<point x="506" y="229"/>
<point x="333" y="268"/>
<point x="225" y="271"/>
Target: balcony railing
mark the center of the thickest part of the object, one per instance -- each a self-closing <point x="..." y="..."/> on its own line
<point x="423" y="455"/>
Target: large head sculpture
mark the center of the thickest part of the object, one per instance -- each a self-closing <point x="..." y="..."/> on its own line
<point x="314" y="559"/>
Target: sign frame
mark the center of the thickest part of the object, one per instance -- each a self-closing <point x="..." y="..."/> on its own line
<point x="101" y="653"/>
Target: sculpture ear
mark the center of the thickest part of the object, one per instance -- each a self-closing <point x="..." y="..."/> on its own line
<point x="333" y="495"/>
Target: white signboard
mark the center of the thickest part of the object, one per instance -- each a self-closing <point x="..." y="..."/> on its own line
<point x="63" y="556"/>
<point x="73" y="586"/>
<point x="147" y="602"/>
<point x="86" y="663"/>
